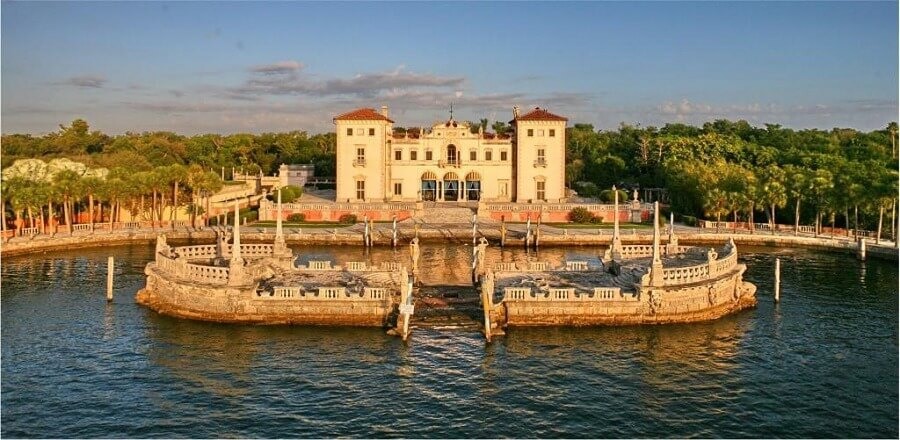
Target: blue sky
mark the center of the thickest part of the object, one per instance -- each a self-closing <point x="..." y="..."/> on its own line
<point x="256" y="67"/>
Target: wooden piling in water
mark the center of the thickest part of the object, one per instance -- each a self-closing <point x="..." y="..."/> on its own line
<point x="861" y="252"/>
<point x="777" y="279"/>
<point x="110" y="268"/>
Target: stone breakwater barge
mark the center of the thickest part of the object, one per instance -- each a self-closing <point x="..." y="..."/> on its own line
<point x="630" y="284"/>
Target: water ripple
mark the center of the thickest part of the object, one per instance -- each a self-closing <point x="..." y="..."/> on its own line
<point x="822" y="363"/>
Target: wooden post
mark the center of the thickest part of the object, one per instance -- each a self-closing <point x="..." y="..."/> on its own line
<point x="394" y="236"/>
<point x="110" y="268"/>
<point x="861" y="254"/>
<point x="777" y="279"/>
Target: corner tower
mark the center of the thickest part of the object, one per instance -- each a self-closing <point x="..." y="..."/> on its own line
<point x="362" y="151"/>
<point x="540" y="156"/>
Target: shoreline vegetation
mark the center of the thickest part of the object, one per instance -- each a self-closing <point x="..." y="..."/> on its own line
<point x="721" y="170"/>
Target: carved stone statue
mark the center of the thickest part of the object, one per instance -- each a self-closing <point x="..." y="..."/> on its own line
<point x="635" y="195"/>
<point x="414" y="253"/>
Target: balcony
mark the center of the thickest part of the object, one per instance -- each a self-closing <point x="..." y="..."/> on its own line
<point x="449" y="163"/>
<point x="359" y="163"/>
<point x="540" y="162"/>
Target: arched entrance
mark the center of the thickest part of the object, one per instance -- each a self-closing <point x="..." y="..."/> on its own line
<point x="451" y="187"/>
<point x="473" y="186"/>
<point x="429" y="186"/>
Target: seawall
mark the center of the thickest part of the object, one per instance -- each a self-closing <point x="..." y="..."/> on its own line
<point x="352" y="235"/>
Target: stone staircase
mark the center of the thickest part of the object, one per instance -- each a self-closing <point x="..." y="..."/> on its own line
<point x="444" y="214"/>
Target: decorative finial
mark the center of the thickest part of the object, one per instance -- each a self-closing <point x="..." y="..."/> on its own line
<point x="451" y="110"/>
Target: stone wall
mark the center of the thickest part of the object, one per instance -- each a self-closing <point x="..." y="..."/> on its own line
<point x="691" y="303"/>
<point x="174" y="296"/>
<point x="685" y="294"/>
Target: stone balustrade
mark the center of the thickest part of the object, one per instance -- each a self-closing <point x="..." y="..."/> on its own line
<point x="194" y="272"/>
<point x="30" y="231"/>
<point x="637" y="251"/>
<point x="505" y="267"/>
<point x="538" y="266"/>
<point x="356" y="266"/>
<point x="198" y="252"/>
<point x="694" y="274"/>
<point x="561" y="207"/>
<point x="81" y="227"/>
<point x="318" y="265"/>
<point x="322" y="293"/>
<point x="685" y="275"/>
<point x="253" y="250"/>
<point x="598" y="294"/>
<point x="723" y="265"/>
<point x="577" y="265"/>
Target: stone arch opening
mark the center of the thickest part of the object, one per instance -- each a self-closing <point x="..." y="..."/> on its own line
<point x="473" y="186"/>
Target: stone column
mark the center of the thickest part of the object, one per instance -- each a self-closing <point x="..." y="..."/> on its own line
<point x="656" y="267"/>
<point x="672" y="246"/>
<point x="236" y="275"/>
<point x="236" y="246"/>
<point x="279" y="232"/>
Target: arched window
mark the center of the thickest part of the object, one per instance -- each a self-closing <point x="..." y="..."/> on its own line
<point x="452" y="156"/>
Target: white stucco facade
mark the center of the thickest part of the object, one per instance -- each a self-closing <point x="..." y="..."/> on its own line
<point x="449" y="163"/>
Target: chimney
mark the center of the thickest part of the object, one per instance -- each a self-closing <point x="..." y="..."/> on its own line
<point x="384" y="111"/>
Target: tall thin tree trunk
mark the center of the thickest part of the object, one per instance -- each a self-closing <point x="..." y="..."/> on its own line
<point x="19" y="222"/>
<point x="67" y="214"/>
<point x="30" y="218"/>
<point x="752" y="226"/>
<point x="91" y="210"/>
<point x="855" y="220"/>
<point x="772" y="221"/>
<point x="880" y="218"/>
<point x="3" y="213"/>
<point x="153" y="211"/>
<point x="818" y="221"/>
<point x="893" y="220"/>
<point x="43" y="228"/>
<point x="797" y="218"/>
<point x="50" y="217"/>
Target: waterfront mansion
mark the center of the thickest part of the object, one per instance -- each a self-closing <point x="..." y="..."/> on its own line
<point x="448" y="162"/>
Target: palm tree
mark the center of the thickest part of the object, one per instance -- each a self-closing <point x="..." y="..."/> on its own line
<point x="90" y="186"/>
<point x="797" y="178"/>
<point x="715" y="203"/>
<point x="820" y="185"/>
<point x="771" y="192"/>
<point x="66" y="182"/>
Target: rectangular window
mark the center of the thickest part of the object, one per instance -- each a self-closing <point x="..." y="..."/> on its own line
<point x="541" y="154"/>
<point x="371" y="132"/>
<point x="349" y="132"/>
<point x="541" y="193"/>
<point x="540" y="132"/>
<point x="530" y="132"/>
<point x="428" y="155"/>
<point x="360" y="131"/>
<point x="413" y="155"/>
<point x="398" y="154"/>
<point x="552" y="133"/>
<point x="487" y="155"/>
<point x="360" y="155"/>
<point x="360" y="190"/>
<point x="503" y="156"/>
<point x="473" y="155"/>
<point x="398" y="188"/>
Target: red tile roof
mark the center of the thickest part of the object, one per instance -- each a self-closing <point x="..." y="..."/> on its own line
<point x="539" y="114"/>
<point x="363" y="114"/>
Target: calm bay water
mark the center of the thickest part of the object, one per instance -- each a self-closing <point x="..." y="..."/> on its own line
<point x="822" y="363"/>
